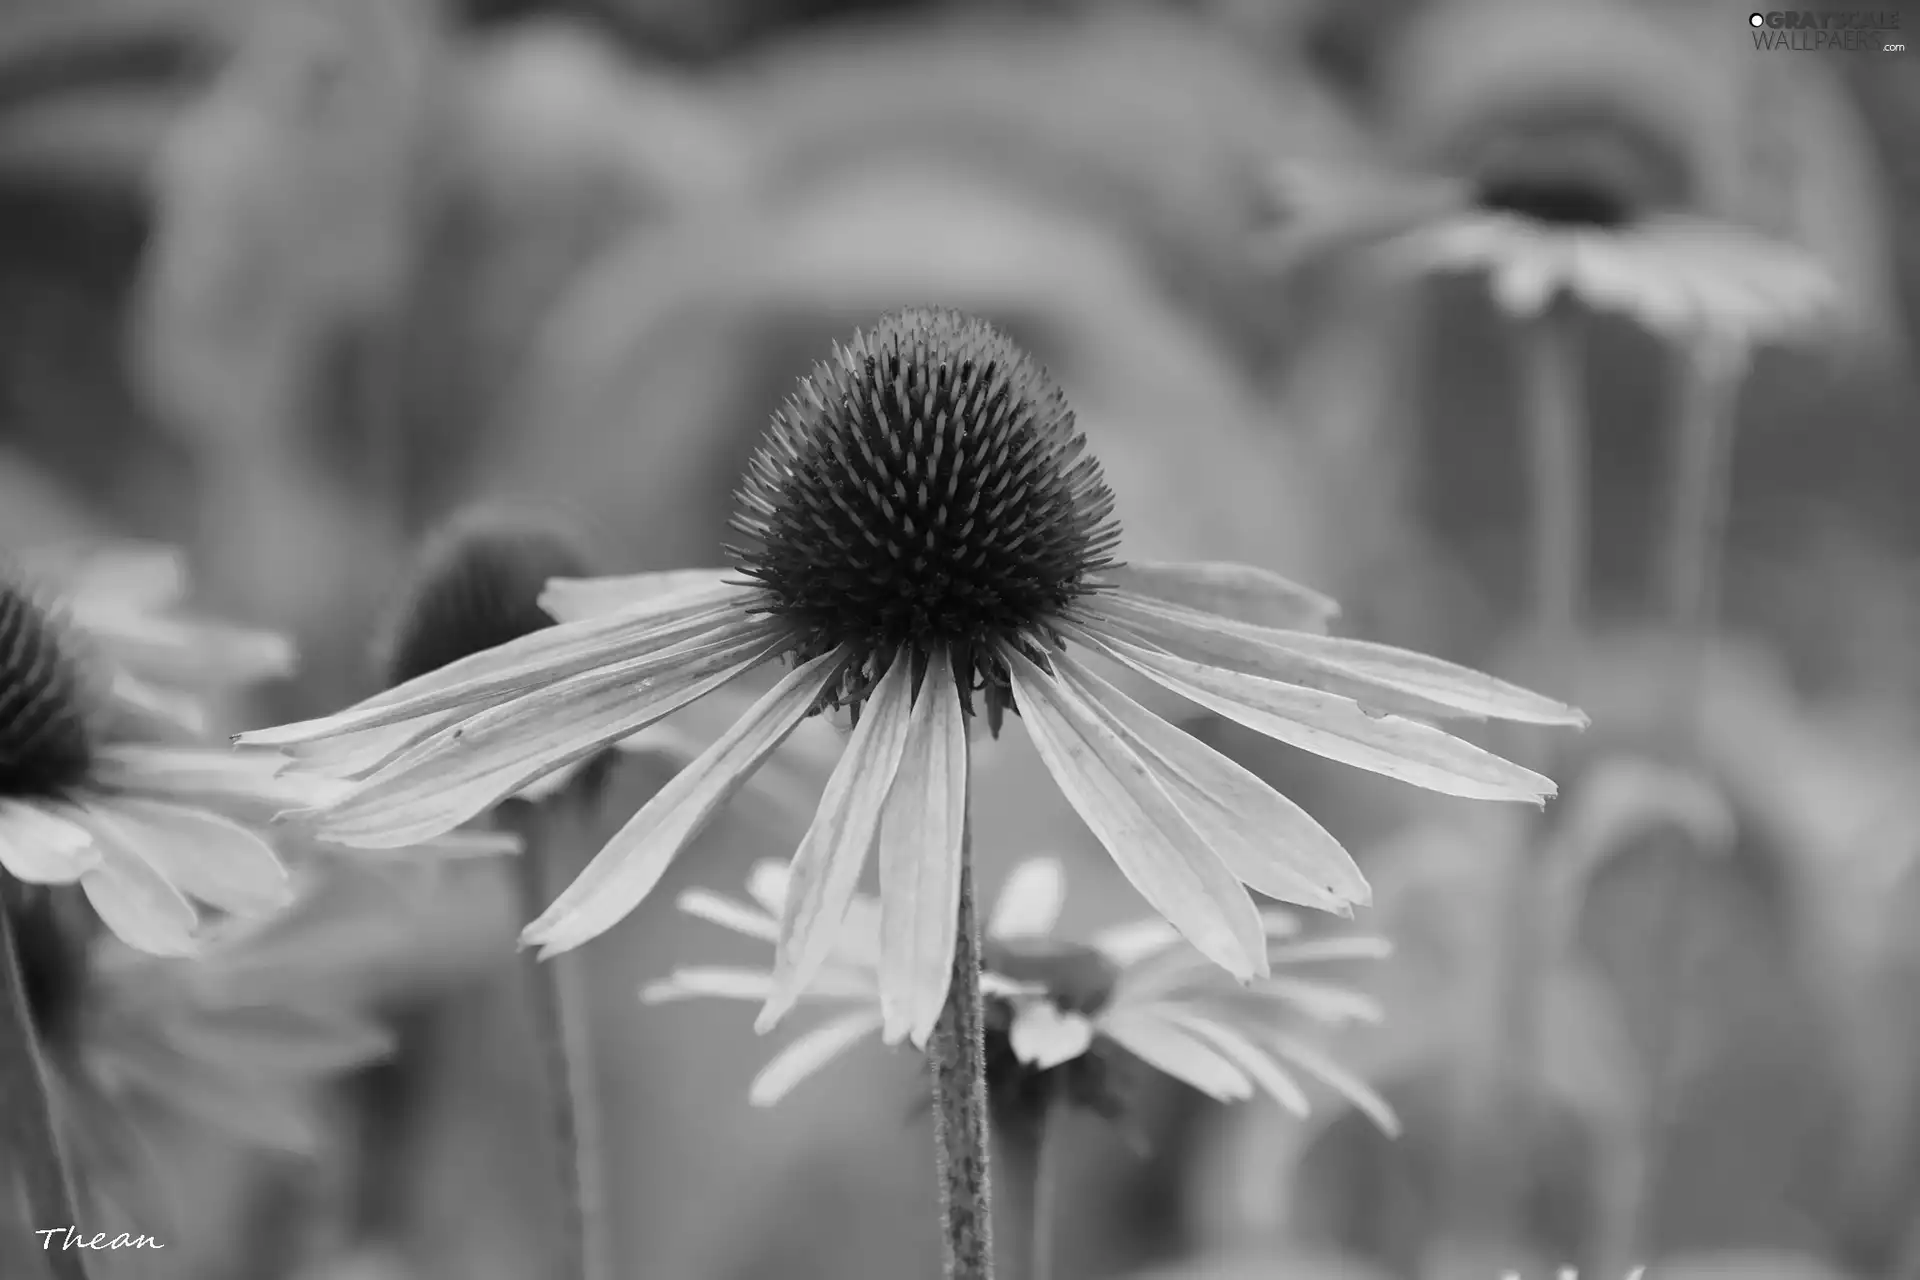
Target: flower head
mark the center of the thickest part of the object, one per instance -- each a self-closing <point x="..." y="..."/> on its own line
<point x="86" y="797"/>
<point x="1062" y="1014"/>
<point x="936" y="491"/>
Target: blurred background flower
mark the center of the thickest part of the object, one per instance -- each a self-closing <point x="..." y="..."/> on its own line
<point x="288" y="281"/>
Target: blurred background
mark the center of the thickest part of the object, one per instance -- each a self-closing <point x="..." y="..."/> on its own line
<point x="290" y="281"/>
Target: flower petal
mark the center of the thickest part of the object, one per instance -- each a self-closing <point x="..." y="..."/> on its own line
<point x="827" y="866"/>
<point x="1357" y="947"/>
<point x="1378" y="675"/>
<point x="767" y="884"/>
<point x="167" y="651"/>
<point x="1336" y="728"/>
<point x="576" y="599"/>
<point x="42" y="848"/>
<point x="626" y="870"/>
<point x="472" y="766"/>
<point x="1128" y="944"/>
<point x="531" y="662"/>
<point x="129" y="575"/>
<point x="922" y="834"/>
<point x="133" y="899"/>
<point x="246" y="783"/>
<point x="713" y="982"/>
<point x="1030" y="901"/>
<point x="808" y="1054"/>
<point x="1259" y="1065"/>
<point x="1149" y="839"/>
<point x="1362" y="1095"/>
<point x="1178" y="1053"/>
<point x="216" y="861"/>
<point x="1267" y="841"/>
<point x="1236" y="591"/>
<point x="1043" y="1037"/>
<point x="728" y="914"/>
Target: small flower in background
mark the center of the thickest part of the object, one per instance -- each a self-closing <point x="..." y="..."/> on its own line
<point x="86" y="797"/>
<point x="925" y="536"/>
<point x="1058" y="1009"/>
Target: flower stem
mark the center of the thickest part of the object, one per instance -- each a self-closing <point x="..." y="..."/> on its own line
<point x="957" y="1056"/>
<point x="26" y="1103"/>
<point x="558" y="1005"/>
<point x="1554" y="400"/>
<point x="1046" y="1186"/>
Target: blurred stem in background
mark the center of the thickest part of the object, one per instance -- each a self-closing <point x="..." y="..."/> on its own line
<point x="1702" y="479"/>
<point x="26" y="1106"/>
<point x="1031" y="1140"/>
<point x="957" y="1054"/>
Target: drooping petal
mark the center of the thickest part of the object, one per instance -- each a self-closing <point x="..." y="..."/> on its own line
<point x="461" y="771"/>
<point x="527" y="664"/>
<point x="42" y="848"/>
<point x="133" y="899"/>
<point x="1236" y="591"/>
<point x="826" y="867"/>
<point x="1029" y="903"/>
<point x="1129" y="944"/>
<point x="1362" y="1095"/>
<point x="576" y="599"/>
<point x="1337" y="728"/>
<point x="1379" y="676"/>
<point x="216" y="861"/>
<point x="1142" y="829"/>
<point x="922" y="829"/>
<point x="1259" y="1065"/>
<point x="246" y="783"/>
<point x="1179" y="1053"/>
<point x="359" y="752"/>
<point x="728" y="914"/>
<point x="626" y="870"/>
<point x="1267" y="841"/>
<point x="808" y="1054"/>
<point x="1043" y="1037"/>
<point x="713" y="982"/>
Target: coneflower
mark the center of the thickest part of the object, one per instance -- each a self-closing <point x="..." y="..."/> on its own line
<point x="924" y="538"/>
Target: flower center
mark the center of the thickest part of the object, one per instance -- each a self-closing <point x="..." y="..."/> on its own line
<point x="1078" y="979"/>
<point x="1576" y="168"/>
<point x="46" y="746"/>
<point x="925" y="485"/>
<point x="478" y="586"/>
<point x="52" y="954"/>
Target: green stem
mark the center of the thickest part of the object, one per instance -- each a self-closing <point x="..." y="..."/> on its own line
<point x="958" y="1060"/>
<point x="26" y="1102"/>
<point x="557" y="1001"/>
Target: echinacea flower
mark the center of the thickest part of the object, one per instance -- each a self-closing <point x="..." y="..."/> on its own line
<point x="83" y="798"/>
<point x="159" y="664"/>
<point x="235" y="1038"/>
<point x="925" y="537"/>
<point x="1056" y="1008"/>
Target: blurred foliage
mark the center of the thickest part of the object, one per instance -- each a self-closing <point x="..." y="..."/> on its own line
<point x="289" y="280"/>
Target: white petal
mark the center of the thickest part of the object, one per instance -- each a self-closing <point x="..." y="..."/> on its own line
<point x="1322" y="1000"/>
<point x="713" y="982"/>
<point x="252" y="783"/>
<point x="808" y="1054"/>
<point x="1236" y="591"/>
<point x="1130" y="943"/>
<point x="1179" y="1053"/>
<point x="827" y="866"/>
<point x="533" y="662"/>
<point x="168" y="651"/>
<point x="922" y="827"/>
<point x="768" y="883"/>
<point x="728" y="914"/>
<point x="1361" y="947"/>
<point x="1266" y="840"/>
<point x="1043" y="1037"/>
<point x="1343" y="1082"/>
<point x="1258" y="1064"/>
<point x="42" y="848"/>
<point x="219" y="862"/>
<point x="134" y="900"/>
<point x="1030" y="901"/>
<point x="1142" y="829"/>
<point x="626" y="870"/>
<point x="574" y="599"/>
<point x="359" y="752"/>
<point x="1380" y="676"/>
<point x="163" y="709"/>
<point x="126" y="575"/>
<point x="1338" y="728"/>
<point x="463" y="770"/>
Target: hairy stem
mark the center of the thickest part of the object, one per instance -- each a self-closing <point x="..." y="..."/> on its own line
<point x="556" y="999"/>
<point x="958" y="1060"/>
<point x="32" y="1139"/>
